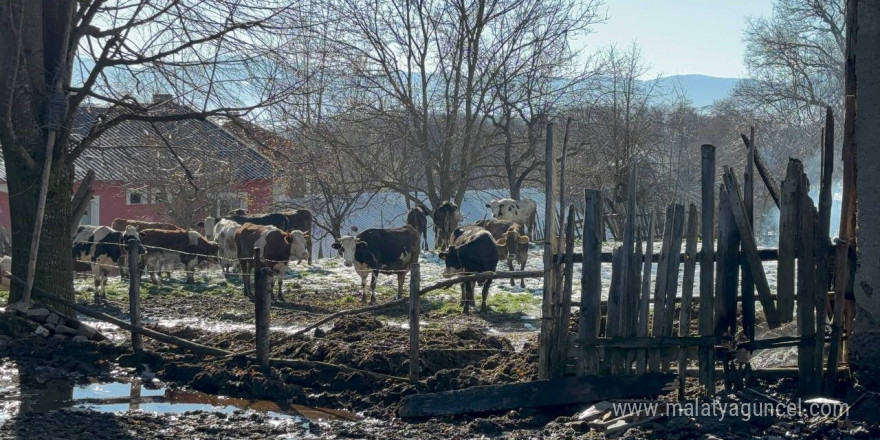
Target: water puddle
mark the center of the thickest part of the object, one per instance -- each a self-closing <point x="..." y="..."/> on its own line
<point x="17" y="395"/>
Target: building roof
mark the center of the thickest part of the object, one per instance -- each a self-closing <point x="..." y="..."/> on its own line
<point x="135" y="151"/>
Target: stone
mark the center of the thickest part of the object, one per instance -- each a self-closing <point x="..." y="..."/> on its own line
<point x="38" y="314"/>
<point x="42" y="331"/>
<point x="79" y="339"/>
<point x="59" y="337"/>
<point x="20" y="307"/>
<point x="86" y="330"/>
<point x="54" y="319"/>
<point x="65" y="330"/>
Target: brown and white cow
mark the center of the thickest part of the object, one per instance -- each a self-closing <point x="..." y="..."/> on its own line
<point x="513" y="245"/>
<point x="166" y="249"/>
<point x="375" y="251"/>
<point x="276" y="249"/>
<point x="446" y="218"/>
<point x="417" y="217"/>
<point x="301" y="220"/>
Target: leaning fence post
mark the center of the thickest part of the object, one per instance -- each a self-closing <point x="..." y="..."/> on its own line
<point x="134" y="293"/>
<point x="414" y="288"/>
<point x="262" y="303"/>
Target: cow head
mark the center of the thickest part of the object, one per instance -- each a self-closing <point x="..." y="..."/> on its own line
<point x="496" y="207"/>
<point x="514" y="243"/>
<point x="209" y="255"/>
<point x="453" y="261"/>
<point x="298" y="245"/>
<point x="347" y="245"/>
<point x="238" y="212"/>
<point x="209" y="224"/>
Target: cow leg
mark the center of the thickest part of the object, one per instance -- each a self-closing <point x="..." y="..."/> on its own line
<point x="309" y="244"/>
<point x="425" y="237"/>
<point x="280" y="288"/>
<point x="510" y="267"/>
<point x="373" y="287"/>
<point x="401" y="276"/>
<point x="483" y="307"/>
<point x="522" y="267"/>
<point x="468" y="296"/>
<point x="191" y="271"/>
<point x="96" y="274"/>
<point x="245" y="277"/>
<point x="364" y="276"/>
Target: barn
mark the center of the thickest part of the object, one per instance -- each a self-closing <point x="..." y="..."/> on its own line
<point x="177" y="171"/>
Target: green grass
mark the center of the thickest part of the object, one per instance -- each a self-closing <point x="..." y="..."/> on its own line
<point x="510" y="303"/>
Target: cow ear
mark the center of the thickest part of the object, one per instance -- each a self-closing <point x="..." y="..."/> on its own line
<point x="502" y="242"/>
<point x="200" y="224"/>
<point x="336" y="245"/>
<point x="442" y="255"/>
<point x="141" y="234"/>
<point x="523" y="239"/>
<point x="288" y="238"/>
<point x="361" y="244"/>
<point x="305" y="235"/>
<point x="488" y="206"/>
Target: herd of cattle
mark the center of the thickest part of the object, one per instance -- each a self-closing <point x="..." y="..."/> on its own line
<point x="229" y="242"/>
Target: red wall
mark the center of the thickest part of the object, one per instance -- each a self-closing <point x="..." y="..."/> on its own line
<point x="112" y="202"/>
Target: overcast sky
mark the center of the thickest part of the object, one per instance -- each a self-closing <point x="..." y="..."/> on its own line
<point x="681" y="36"/>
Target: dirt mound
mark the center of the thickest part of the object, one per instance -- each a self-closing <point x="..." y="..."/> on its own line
<point x="238" y="378"/>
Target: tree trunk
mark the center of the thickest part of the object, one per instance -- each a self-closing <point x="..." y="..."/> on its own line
<point x="55" y="260"/>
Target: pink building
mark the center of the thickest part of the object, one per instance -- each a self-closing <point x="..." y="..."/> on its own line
<point x="137" y="175"/>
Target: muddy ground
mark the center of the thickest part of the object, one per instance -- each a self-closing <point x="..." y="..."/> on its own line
<point x="456" y="352"/>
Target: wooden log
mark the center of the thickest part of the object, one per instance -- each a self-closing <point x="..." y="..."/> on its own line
<point x="134" y="293"/>
<point x="748" y="286"/>
<point x="414" y="302"/>
<point x="788" y="227"/>
<point x="645" y="297"/>
<point x="262" y="307"/>
<point x="660" y="287"/>
<point x="769" y="181"/>
<point x="726" y="266"/>
<point x="707" y="276"/>
<point x="687" y="293"/>
<point x="542" y="393"/>
<point x="750" y="250"/>
<point x="591" y="280"/>
<point x="547" y="348"/>
<point x="809" y="383"/>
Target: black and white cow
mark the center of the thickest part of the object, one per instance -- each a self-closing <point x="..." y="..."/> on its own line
<point x="103" y="248"/>
<point x="417" y="217"/>
<point x="446" y="218"/>
<point x="376" y="251"/>
<point x="520" y="211"/>
<point x="167" y="249"/>
<point x="474" y="251"/>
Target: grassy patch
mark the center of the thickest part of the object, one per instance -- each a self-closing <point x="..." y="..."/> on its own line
<point x="510" y="303"/>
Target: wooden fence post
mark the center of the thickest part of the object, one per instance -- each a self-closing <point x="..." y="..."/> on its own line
<point x="262" y="305"/>
<point x="629" y="283"/>
<point x="591" y="282"/>
<point x="134" y="293"/>
<point x="414" y="303"/>
<point x="660" y="287"/>
<point x="809" y="380"/>
<point x="707" y="284"/>
<point x="687" y="295"/>
<point x="645" y="297"/>
<point x="748" y="286"/>
<point x="546" y="347"/>
<point x="788" y="232"/>
<point x="726" y="265"/>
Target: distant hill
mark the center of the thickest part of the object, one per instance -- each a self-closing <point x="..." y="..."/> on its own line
<point x="702" y="90"/>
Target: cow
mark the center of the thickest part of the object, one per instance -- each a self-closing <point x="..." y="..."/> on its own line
<point x="376" y="251"/>
<point x="301" y="220"/>
<point x="513" y="244"/>
<point x="474" y="251"/>
<point x="446" y="218"/>
<point x="520" y="211"/>
<point x="102" y="248"/>
<point x="277" y="248"/>
<point x="241" y="217"/>
<point x="166" y="249"/>
<point x="119" y="224"/>
<point x="417" y="217"/>
<point x="223" y="234"/>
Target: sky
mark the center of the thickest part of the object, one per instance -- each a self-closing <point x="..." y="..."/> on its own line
<point x="680" y="37"/>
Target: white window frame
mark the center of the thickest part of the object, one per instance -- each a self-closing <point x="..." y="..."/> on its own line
<point x="94" y="211"/>
<point x="145" y="198"/>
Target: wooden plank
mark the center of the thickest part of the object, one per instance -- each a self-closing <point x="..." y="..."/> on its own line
<point x="655" y="342"/>
<point x="628" y="268"/>
<point x="262" y="306"/>
<point x="591" y="280"/>
<point x="842" y="279"/>
<point x="748" y="286"/>
<point x="612" y="360"/>
<point x="750" y="250"/>
<point x="808" y="383"/>
<point x="726" y="266"/>
<point x="661" y="285"/>
<point x="673" y="269"/>
<point x="769" y="181"/>
<point x="549" y="321"/>
<point x="687" y="293"/>
<point x="414" y="303"/>
<point x="563" y="311"/>
<point x="707" y="275"/>
<point x="134" y="293"/>
<point x="542" y="393"/>
<point x="633" y="318"/>
<point x="763" y="254"/>
<point x="823" y="232"/>
<point x="788" y="227"/>
<point x="645" y="297"/>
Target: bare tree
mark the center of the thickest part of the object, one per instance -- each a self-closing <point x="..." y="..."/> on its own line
<point x="56" y="55"/>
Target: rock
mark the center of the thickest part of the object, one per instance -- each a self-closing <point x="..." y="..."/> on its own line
<point x="63" y="329"/>
<point x="20" y="307"/>
<point x="54" y="319"/>
<point x="49" y="326"/>
<point x="87" y="331"/>
<point x="59" y="338"/>
<point x="42" y="331"/>
<point x="79" y="339"/>
<point x="38" y="314"/>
